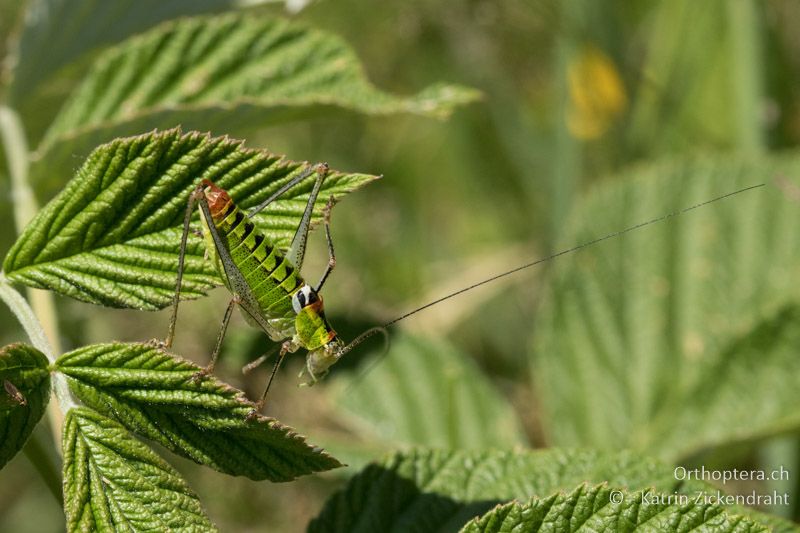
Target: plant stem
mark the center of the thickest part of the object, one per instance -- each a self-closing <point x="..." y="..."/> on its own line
<point x="747" y="61"/>
<point x="15" y="144"/>
<point x="16" y="148"/>
<point x="19" y="306"/>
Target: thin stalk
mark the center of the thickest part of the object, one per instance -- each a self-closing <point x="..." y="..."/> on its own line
<point x="26" y="316"/>
<point x="777" y="453"/>
<point x="747" y="60"/>
<point x="16" y="148"/>
<point x="565" y="172"/>
<point x="15" y="144"/>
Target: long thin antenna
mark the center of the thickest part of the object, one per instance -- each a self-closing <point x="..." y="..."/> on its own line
<point x="569" y="251"/>
<point x="619" y="233"/>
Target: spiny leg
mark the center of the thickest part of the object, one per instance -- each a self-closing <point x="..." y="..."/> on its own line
<point x="294" y="181"/>
<point x="209" y="369"/>
<point x="326" y="218"/>
<point x="285" y="348"/>
<point x="297" y="250"/>
<point x="252" y="365"/>
<point x="197" y="193"/>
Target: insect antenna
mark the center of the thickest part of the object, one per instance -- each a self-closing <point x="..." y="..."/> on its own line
<point x="370" y="332"/>
<point x="366" y="335"/>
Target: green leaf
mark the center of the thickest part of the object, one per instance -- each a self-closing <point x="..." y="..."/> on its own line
<point x="428" y="393"/>
<point x="57" y="32"/>
<point x="231" y="74"/>
<point x="671" y="338"/>
<point x="113" y="482"/>
<point x="703" y="85"/>
<point x="60" y="38"/>
<point x="590" y="508"/>
<point x="112" y="236"/>
<point x="152" y="393"/>
<point x="439" y="491"/>
<point x="24" y="393"/>
<point x="428" y="490"/>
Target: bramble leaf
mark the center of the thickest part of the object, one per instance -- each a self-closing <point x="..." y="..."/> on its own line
<point x="114" y="482"/>
<point x="427" y="490"/>
<point x="57" y="33"/>
<point x="152" y="393"/>
<point x="112" y="236"/>
<point x="428" y="393"/>
<point x="24" y="393"/>
<point x="589" y="508"/>
<point x="59" y="39"/>
<point x="667" y="340"/>
<point x="232" y="74"/>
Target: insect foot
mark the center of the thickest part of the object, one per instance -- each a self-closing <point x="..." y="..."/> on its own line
<point x="198" y="376"/>
<point x="326" y="212"/>
<point x="253" y="414"/>
<point x="158" y="344"/>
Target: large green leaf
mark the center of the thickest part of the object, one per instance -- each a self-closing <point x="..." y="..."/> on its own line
<point x="60" y="39"/>
<point x="229" y="74"/>
<point x="688" y="96"/>
<point x="113" y="482"/>
<point x="441" y="491"/>
<point x="24" y="393"/>
<point x="677" y="337"/>
<point x="152" y="393"/>
<point x="590" y="508"/>
<point x="112" y="235"/>
<point x="427" y="393"/>
<point x="57" y="32"/>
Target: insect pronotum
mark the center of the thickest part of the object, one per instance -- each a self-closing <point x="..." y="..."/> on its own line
<point x="266" y="284"/>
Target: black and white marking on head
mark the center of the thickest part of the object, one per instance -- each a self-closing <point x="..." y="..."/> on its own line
<point x="305" y="296"/>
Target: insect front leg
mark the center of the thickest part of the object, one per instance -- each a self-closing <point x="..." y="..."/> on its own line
<point x="287" y="347"/>
<point x="252" y="365"/>
<point x="209" y="369"/>
<point x="196" y="195"/>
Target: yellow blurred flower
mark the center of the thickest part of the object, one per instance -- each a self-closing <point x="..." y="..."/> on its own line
<point x="597" y="95"/>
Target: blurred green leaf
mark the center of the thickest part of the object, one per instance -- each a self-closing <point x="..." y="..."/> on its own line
<point x="664" y="339"/>
<point x="113" y="482"/>
<point x="58" y="32"/>
<point x="232" y="74"/>
<point x="24" y="393"/>
<point x="113" y="234"/>
<point x="719" y="410"/>
<point x="60" y="39"/>
<point x="700" y="82"/>
<point x="426" y="392"/>
<point x="152" y="393"/>
<point x="589" y="508"/>
<point x="427" y="490"/>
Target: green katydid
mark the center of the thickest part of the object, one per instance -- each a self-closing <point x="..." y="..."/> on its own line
<point x="265" y="283"/>
<point x="268" y="288"/>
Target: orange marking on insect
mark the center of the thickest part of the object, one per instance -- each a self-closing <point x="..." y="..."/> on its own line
<point x="218" y="199"/>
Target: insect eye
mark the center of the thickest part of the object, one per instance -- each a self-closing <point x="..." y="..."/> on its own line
<point x="304" y="297"/>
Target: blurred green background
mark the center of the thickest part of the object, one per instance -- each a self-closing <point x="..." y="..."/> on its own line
<point x="574" y="92"/>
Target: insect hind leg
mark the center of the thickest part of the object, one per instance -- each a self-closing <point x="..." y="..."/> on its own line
<point x="297" y="249"/>
<point x="326" y="217"/>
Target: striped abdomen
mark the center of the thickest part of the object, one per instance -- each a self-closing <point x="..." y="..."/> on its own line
<point x="269" y="274"/>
